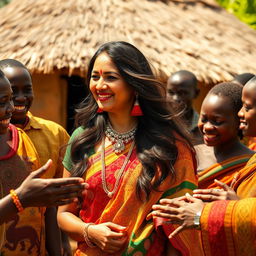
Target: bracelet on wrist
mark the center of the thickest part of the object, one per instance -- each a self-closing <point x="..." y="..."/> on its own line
<point x="16" y="200"/>
<point x="86" y="236"/>
<point x="197" y="220"/>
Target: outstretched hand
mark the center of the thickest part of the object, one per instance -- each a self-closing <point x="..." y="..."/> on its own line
<point x="178" y="211"/>
<point x="213" y="194"/>
<point x="49" y="192"/>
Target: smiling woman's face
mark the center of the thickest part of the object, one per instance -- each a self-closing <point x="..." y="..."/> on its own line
<point x="108" y="87"/>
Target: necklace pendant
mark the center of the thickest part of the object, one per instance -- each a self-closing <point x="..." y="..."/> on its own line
<point x="110" y="194"/>
<point x="119" y="146"/>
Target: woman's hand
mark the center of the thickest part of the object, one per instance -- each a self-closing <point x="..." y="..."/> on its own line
<point x="209" y="195"/>
<point x="177" y="211"/>
<point x="49" y="192"/>
<point x="109" y="237"/>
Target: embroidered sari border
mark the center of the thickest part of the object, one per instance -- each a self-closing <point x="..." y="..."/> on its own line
<point x="184" y="185"/>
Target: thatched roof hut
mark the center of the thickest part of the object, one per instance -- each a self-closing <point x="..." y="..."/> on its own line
<point x="59" y="37"/>
<point x="48" y="35"/>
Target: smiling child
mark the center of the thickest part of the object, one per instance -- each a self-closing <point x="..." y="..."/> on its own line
<point x="219" y="124"/>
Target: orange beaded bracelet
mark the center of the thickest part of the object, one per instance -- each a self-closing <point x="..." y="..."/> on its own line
<point x="16" y="200"/>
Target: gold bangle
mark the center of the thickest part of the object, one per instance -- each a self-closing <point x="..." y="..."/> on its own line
<point x="16" y="200"/>
<point x="86" y="237"/>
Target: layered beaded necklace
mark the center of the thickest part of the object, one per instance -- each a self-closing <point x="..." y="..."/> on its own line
<point x="120" y="172"/>
<point x="119" y="139"/>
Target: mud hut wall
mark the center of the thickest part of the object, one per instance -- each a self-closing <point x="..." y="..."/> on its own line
<point x="50" y="97"/>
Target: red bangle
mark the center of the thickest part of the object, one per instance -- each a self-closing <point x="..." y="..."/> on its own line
<point x="16" y="200"/>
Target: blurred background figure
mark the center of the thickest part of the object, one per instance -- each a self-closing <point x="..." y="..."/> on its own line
<point x="243" y="78"/>
<point x="181" y="91"/>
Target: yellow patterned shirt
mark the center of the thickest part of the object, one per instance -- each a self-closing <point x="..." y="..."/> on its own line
<point x="49" y="139"/>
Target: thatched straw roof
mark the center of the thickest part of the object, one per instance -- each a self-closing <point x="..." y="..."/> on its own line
<point x="63" y="34"/>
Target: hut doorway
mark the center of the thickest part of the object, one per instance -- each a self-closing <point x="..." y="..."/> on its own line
<point x="77" y="91"/>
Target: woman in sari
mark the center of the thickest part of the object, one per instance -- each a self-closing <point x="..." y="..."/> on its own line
<point x="131" y="151"/>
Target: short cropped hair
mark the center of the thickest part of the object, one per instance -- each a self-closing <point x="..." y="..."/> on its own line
<point x="13" y="64"/>
<point x="231" y="90"/>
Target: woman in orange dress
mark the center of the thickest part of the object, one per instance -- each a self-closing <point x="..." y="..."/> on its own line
<point x="131" y="151"/>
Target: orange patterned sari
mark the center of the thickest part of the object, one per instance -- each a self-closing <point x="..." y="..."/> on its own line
<point x="125" y="209"/>
<point x="225" y="171"/>
<point x="245" y="180"/>
<point x="229" y="228"/>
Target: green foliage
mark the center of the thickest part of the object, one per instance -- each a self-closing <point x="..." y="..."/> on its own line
<point x="245" y="10"/>
<point x="4" y="2"/>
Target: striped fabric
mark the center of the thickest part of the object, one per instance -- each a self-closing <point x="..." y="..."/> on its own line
<point x="229" y="228"/>
<point x="125" y="208"/>
<point x="246" y="180"/>
<point x="224" y="171"/>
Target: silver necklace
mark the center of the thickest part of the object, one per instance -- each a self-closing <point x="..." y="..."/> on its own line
<point x="119" y="139"/>
<point x="120" y="173"/>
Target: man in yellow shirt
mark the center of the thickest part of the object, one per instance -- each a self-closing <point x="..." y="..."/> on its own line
<point x="49" y="140"/>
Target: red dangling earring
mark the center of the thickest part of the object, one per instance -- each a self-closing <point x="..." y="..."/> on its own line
<point x="99" y="110"/>
<point x="136" y="110"/>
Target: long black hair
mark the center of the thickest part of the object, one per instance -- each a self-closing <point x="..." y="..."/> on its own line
<point x="154" y="138"/>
